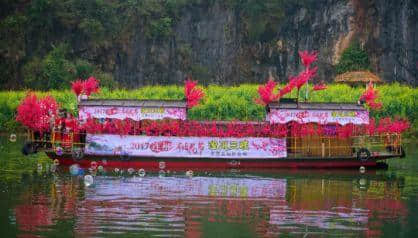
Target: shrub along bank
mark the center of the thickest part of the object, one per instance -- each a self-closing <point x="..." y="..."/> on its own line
<point x="229" y="103"/>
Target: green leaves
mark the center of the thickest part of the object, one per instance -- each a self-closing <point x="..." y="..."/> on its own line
<point x="231" y="103"/>
<point x="353" y="58"/>
<point x="161" y="28"/>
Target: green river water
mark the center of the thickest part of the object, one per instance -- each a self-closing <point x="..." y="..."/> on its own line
<point x="39" y="200"/>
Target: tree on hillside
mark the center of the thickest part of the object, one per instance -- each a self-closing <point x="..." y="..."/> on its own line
<point x="352" y="59"/>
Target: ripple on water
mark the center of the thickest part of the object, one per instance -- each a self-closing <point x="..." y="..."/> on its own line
<point x="260" y="204"/>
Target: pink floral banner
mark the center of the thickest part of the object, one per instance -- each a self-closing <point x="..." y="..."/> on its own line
<point x="134" y="113"/>
<point x="318" y="116"/>
<point x="184" y="147"/>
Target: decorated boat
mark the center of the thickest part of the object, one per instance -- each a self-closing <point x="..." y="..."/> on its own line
<point x="158" y="134"/>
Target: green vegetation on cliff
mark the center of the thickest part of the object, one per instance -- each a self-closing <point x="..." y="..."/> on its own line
<point x="229" y="103"/>
<point x="46" y="43"/>
<point x="352" y="59"/>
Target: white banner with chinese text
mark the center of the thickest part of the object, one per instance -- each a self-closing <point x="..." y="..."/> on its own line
<point x="204" y="147"/>
<point x="318" y="116"/>
<point x="134" y="113"/>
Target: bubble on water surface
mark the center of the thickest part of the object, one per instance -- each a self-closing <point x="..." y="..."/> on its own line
<point x="59" y="151"/>
<point x="56" y="162"/>
<point x="363" y="184"/>
<point x="189" y="173"/>
<point x="100" y="169"/>
<point x="362" y="169"/>
<point x="74" y="169"/>
<point x="88" y="180"/>
<point x="141" y="172"/>
<point x="131" y="171"/>
<point x="12" y="137"/>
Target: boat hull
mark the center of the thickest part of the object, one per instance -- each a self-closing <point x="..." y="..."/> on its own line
<point x="179" y="163"/>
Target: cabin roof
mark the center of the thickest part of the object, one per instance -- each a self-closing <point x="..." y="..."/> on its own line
<point x="316" y="106"/>
<point x="133" y="103"/>
<point x="358" y="76"/>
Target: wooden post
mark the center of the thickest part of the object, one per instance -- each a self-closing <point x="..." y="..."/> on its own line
<point x="53" y="139"/>
<point x="329" y="147"/>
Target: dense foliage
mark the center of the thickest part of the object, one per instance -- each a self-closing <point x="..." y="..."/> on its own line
<point x="266" y="92"/>
<point x="44" y="44"/>
<point x="230" y="103"/>
<point x="352" y="59"/>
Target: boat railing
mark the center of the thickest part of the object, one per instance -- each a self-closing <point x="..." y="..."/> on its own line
<point x="354" y="146"/>
<point x="297" y="147"/>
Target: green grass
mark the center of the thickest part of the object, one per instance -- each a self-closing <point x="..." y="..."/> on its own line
<point x="229" y="103"/>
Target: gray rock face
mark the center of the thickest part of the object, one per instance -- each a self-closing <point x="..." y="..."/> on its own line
<point x="213" y="43"/>
<point x="209" y="44"/>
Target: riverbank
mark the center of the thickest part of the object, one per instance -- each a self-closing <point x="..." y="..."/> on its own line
<point x="230" y="103"/>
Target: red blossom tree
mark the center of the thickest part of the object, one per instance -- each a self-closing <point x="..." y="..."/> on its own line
<point x="266" y="93"/>
<point x="89" y="86"/>
<point x="35" y="113"/>
<point x="308" y="57"/>
<point x="77" y="87"/>
<point x="370" y="96"/>
<point x="192" y="93"/>
<point x="399" y="125"/>
<point x="303" y="77"/>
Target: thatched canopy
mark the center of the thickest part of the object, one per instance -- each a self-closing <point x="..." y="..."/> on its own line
<point x="358" y="77"/>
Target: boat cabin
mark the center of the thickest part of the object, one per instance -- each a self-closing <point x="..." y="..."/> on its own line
<point x="318" y="116"/>
<point x="133" y="109"/>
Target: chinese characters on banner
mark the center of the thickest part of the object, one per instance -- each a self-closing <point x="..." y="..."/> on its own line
<point x="341" y="117"/>
<point x="134" y="113"/>
<point x="203" y="147"/>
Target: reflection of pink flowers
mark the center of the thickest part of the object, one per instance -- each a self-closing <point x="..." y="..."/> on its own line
<point x="31" y="217"/>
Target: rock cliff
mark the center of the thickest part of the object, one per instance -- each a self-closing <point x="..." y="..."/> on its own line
<point x="214" y="42"/>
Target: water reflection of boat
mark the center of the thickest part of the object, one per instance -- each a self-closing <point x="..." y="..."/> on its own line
<point x="195" y="206"/>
